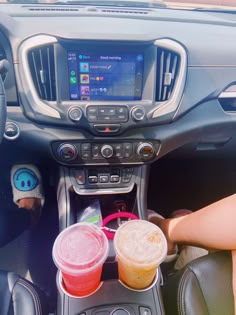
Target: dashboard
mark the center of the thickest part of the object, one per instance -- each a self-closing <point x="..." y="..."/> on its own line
<point x="109" y="86"/>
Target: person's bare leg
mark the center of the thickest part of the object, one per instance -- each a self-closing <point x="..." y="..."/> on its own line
<point x="30" y="203"/>
<point x="210" y="227"/>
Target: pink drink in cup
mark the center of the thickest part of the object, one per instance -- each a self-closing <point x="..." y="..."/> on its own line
<point x="140" y="248"/>
<point x="79" y="252"/>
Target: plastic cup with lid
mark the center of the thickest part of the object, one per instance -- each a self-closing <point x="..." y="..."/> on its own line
<point x="79" y="252"/>
<point x="140" y="248"/>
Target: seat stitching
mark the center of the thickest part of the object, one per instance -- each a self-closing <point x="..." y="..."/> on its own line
<point x="181" y="288"/>
<point x="34" y="295"/>
<point x="183" y="283"/>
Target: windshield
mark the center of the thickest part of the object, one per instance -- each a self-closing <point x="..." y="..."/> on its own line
<point x="181" y="4"/>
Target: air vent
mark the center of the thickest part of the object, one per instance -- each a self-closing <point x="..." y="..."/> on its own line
<point x="53" y="9"/>
<point x="135" y="12"/>
<point x="168" y="63"/>
<point x="42" y="67"/>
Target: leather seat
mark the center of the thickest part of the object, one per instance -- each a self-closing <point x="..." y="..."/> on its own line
<point x="19" y="296"/>
<point x="203" y="287"/>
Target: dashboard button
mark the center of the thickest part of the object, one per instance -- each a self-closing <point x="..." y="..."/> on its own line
<point x="110" y="128"/>
<point x="85" y="146"/>
<point x="127" y="154"/>
<point x="103" y="178"/>
<point x="144" y="311"/>
<point x="128" y="150"/>
<point x="111" y="111"/>
<point x="128" y="146"/>
<point x="101" y="111"/>
<point x="92" y="110"/>
<point x="127" y="175"/>
<point x="80" y="177"/>
<point x="85" y="155"/>
<point x="105" y="117"/>
<point x="114" y="178"/>
<point x="118" y="150"/>
<point x="92" y="117"/>
<point x="92" y="179"/>
<point x="12" y="131"/>
<point x="121" y="117"/>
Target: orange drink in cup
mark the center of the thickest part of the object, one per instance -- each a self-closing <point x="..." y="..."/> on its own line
<point x="79" y="252"/>
<point x="140" y="247"/>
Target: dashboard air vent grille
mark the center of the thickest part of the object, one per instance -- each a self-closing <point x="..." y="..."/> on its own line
<point x="136" y="12"/>
<point x="53" y="9"/>
<point x="42" y="68"/>
<point x="168" y="63"/>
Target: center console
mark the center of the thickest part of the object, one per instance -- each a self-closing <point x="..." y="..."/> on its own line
<point x="116" y="188"/>
<point x="112" y="298"/>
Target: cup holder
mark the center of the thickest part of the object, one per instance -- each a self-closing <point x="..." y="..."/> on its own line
<point x="63" y="289"/>
<point x="154" y="282"/>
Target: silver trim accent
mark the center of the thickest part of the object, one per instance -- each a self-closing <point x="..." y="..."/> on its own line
<point x="79" y="111"/>
<point x="172" y="103"/>
<point x="227" y="95"/>
<point x="24" y="73"/>
<point x="105" y="191"/>
<point x="17" y="128"/>
<point x="134" y="109"/>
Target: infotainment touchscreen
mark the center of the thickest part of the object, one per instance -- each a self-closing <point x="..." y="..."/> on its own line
<point x="105" y="76"/>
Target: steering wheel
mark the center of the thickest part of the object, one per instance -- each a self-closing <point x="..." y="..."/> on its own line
<point x="3" y="105"/>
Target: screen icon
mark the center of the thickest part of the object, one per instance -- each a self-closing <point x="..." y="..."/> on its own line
<point x="84" y="67"/>
<point x="84" y="90"/>
<point x="73" y="80"/>
<point x="84" y="78"/>
<point x="72" y="73"/>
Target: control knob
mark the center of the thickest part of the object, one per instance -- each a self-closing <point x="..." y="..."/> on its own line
<point x="146" y="151"/>
<point x="107" y="151"/>
<point x="138" y="113"/>
<point x="67" y="152"/>
<point x="75" y="113"/>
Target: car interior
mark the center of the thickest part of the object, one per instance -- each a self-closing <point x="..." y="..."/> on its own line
<point x="130" y="105"/>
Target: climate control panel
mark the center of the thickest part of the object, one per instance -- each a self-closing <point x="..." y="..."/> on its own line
<point x="109" y="152"/>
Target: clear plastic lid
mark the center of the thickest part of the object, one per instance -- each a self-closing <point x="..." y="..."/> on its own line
<point x="140" y="242"/>
<point x="80" y="248"/>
